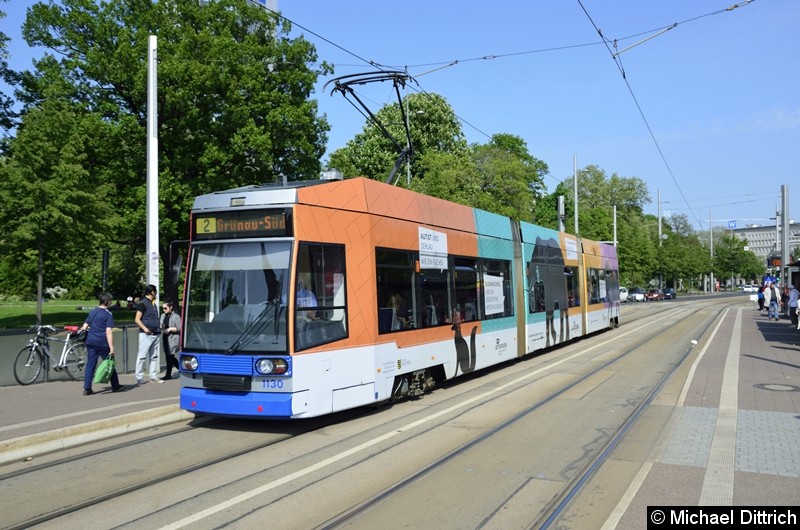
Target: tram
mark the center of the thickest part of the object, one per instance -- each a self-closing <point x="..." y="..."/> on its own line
<point x="319" y="296"/>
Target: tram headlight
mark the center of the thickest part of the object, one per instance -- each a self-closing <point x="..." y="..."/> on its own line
<point x="189" y="363"/>
<point x="275" y="366"/>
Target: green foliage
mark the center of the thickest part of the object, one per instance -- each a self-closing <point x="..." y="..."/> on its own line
<point x="545" y="211"/>
<point x="434" y="128"/>
<point x="452" y="177"/>
<point x="7" y="114"/>
<point x="234" y="108"/>
<point x="681" y="255"/>
<point x="732" y="260"/>
<point x="510" y="177"/>
<point x="500" y="176"/>
<point x="54" y="207"/>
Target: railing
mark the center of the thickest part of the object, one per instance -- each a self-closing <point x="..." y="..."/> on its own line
<point x="126" y="346"/>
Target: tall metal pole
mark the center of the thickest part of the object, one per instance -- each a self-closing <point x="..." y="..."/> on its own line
<point x="615" y="226"/>
<point x="785" y="251"/>
<point x="152" y="164"/>
<point x="711" y="246"/>
<point x="575" y="188"/>
<point x="660" y="276"/>
<point x="408" y="145"/>
<point x="659" y="218"/>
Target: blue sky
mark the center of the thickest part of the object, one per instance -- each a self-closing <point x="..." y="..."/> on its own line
<point x="709" y="116"/>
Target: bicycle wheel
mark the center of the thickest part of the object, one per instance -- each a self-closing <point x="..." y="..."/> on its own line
<point x="75" y="360"/>
<point x="28" y="364"/>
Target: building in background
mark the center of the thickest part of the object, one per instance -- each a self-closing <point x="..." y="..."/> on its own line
<point x="763" y="241"/>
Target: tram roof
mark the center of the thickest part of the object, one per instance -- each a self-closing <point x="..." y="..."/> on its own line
<point x="356" y="194"/>
<point x="265" y="194"/>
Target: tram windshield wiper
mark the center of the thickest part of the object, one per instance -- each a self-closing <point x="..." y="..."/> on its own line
<point x="258" y="325"/>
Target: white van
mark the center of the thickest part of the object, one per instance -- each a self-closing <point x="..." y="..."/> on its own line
<point x="623" y="294"/>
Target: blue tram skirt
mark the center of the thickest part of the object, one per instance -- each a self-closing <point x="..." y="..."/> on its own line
<point x="242" y="404"/>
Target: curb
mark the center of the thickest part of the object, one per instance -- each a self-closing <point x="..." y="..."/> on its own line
<point x="26" y="447"/>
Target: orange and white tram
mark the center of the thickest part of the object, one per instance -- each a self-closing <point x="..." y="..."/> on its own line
<point x="315" y="297"/>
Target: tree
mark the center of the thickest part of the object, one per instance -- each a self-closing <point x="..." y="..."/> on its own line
<point x="53" y="208"/>
<point x="494" y="177"/>
<point x="233" y="101"/>
<point x="6" y="102"/>
<point x="731" y="260"/>
<point x="500" y="176"/>
<point x="636" y="250"/>
<point x="511" y="179"/>
<point x="682" y="255"/>
<point x="433" y="127"/>
<point x="597" y="196"/>
<point x="450" y="176"/>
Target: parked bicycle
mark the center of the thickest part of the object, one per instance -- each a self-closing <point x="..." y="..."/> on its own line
<point x="35" y="358"/>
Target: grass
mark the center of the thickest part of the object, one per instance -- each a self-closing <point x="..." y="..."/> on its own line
<point x="22" y="315"/>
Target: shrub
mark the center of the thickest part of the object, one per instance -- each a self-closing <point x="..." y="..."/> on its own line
<point x="55" y="292"/>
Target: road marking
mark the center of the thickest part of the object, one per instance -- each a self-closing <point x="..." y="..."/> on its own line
<point x="622" y="506"/>
<point x="718" y="481"/>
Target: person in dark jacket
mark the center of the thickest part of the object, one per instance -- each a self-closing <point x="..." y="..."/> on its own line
<point x="149" y="328"/>
<point x="170" y="328"/>
<point x="99" y="343"/>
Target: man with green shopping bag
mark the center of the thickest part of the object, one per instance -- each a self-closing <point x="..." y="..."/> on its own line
<point x="100" y="344"/>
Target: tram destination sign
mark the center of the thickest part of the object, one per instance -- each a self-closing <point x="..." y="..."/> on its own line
<point x="240" y="224"/>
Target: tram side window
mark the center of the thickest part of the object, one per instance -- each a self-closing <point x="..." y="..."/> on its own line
<point x="465" y="279"/>
<point x="573" y="286"/>
<point x="537" y="298"/>
<point x="320" y="302"/>
<point x="597" y="282"/>
<point x="396" y="293"/>
<point x="436" y="302"/>
<point x="612" y="284"/>
<point x="496" y="291"/>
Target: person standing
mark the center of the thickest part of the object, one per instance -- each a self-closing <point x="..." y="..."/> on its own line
<point x="170" y="328"/>
<point x="785" y="299"/>
<point x="794" y="295"/>
<point x="772" y="299"/>
<point x="306" y="298"/>
<point x="147" y="320"/>
<point x="99" y="343"/>
<point x="761" y="297"/>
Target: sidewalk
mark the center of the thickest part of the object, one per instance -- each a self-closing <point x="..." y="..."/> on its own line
<point x="45" y="417"/>
<point x="735" y="438"/>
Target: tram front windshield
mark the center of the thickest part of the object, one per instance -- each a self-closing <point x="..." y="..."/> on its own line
<point x="236" y="298"/>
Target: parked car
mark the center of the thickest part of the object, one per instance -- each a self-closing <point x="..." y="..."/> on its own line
<point x="636" y="294"/>
<point x="655" y="295"/>
<point x="623" y="294"/>
<point x="748" y="288"/>
<point x="669" y="293"/>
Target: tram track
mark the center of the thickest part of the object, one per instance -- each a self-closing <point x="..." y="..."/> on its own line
<point x="357" y="510"/>
<point x="74" y="507"/>
<point x="63" y="466"/>
<point x="374" y="450"/>
<point x="554" y="510"/>
<point x="557" y="508"/>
